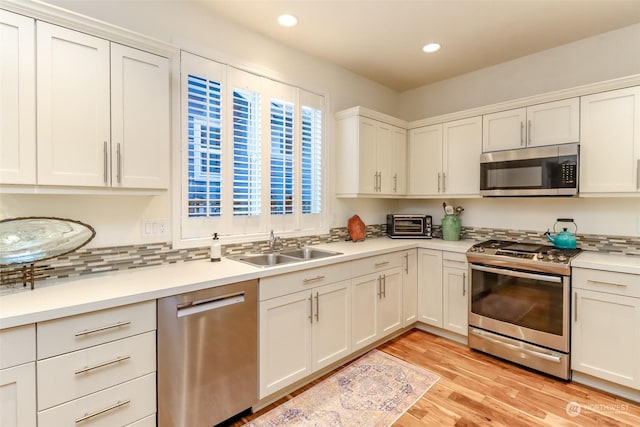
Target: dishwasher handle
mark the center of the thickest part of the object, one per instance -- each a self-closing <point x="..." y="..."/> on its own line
<point x="199" y="306"/>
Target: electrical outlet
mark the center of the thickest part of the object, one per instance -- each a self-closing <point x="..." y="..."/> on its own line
<point x="155" y="227"/>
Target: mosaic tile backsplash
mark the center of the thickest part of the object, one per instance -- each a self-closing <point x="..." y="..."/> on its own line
<point x="98" y="260"/>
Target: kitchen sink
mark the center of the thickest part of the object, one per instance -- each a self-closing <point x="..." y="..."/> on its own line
<point x="309" y="253"/>
<point x="284" y="257"/>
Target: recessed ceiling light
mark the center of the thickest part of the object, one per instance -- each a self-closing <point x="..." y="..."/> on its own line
<point x="287" y="20"/>
<point x="431" y="47"/>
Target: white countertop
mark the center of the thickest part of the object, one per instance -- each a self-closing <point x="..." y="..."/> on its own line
<point x="600" y="261"/>
<point x="99" y="291"/>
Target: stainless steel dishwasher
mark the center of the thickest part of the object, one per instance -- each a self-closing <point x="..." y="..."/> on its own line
<point x="207" y="355"/>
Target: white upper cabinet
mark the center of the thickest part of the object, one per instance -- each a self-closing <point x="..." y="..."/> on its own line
<point x="17" y="99"/>
<point x="444" y="159"/>
<point x="73" y="107"/>
<point x="139" y="119"/>
<point x="537" y="125"/>
<point x="610" y="146"/>
<point x="371" y="156"/>
<point x="102" y="110"/>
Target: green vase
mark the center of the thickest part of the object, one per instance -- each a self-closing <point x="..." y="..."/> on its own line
<point x="451" y="225"/>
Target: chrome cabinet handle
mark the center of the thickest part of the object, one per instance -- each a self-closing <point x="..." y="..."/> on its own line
<point x="317" y="306"/>
<point x="438" y="182"/>
<point x="575" y="306"/>
<point x="116" y="405"/>
<point x="599" y="282"/>
<point x="406" y="263"/>
<point x="379" y="181"/>
<point x="375" y="181"/>
<point x="521" y="133"/>
<point x="105" y="155"/>
<point x="529" y="132"/>
<point x="102" y="328"/>
<point x="313" y="279"/>
<point x="101" y="365"/>
<point x="380" y="264"/>
<point x="464" y="284"/>
<point x="379" y="287"/>
<point x="638" y="175"/>
<point x="444" y="182"/>
<point x="119" y="165"/>
<point x="311" y="308"/>
<point x="384" y="286"/>
<point x="395" y="182"/>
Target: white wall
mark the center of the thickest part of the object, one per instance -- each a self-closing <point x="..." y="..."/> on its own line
<point x="603" y="57"/>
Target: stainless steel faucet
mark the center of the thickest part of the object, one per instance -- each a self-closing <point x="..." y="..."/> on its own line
<point x="273" y="240"/>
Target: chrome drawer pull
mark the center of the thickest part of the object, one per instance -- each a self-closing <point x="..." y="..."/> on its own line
<point x="380" y="264"/>
<point x="313" y="279"/>
<point x="102" y="411"/>
<point x="617" y="285"/>
<point x="119" y="155"/>
<point x="102" y="328"/>
<point x="103" y="364"/>
<point x="105" y="153"/>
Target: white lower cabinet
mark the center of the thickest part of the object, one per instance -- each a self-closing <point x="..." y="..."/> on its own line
<point x="443" y="290"/>
<point x="605" y="330"/>
<point x="376" y="299"/>
<point x="303" y="331"/>
<point x="410" y="287"/>
<point x="18" y="376"/>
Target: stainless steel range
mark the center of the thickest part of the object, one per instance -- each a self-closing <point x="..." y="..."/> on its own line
<point x="519" y="306"/>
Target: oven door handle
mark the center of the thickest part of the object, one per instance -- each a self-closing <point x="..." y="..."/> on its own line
<point x="550" y="357"/>
<point x="522" y="274"/>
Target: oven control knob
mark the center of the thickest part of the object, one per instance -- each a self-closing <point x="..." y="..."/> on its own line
<point x="480" y="249"/>
<point x="551" y="257"/>
<point x="562" y="258"/>
<point x="540" y="256"/>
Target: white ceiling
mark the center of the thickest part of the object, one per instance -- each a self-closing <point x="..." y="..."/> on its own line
<point x="382" y="39"/>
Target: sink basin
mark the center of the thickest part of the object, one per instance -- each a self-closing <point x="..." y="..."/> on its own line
<point x="264" y="260"/>
<point x="284" y="257"/>
<point x="309" y="253"/>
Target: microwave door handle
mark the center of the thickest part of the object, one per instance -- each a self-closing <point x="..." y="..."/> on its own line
<point x="521" y="274"/>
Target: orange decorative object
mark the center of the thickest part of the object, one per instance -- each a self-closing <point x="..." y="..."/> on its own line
<point x="356" y="228"/>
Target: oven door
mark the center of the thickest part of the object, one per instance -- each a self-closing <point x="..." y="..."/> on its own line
<point x="528" y="306"/>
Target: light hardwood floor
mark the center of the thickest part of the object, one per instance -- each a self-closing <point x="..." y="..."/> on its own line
<point x="479" y="390"/>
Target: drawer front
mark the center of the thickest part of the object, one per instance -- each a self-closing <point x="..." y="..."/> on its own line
<point x="149" y="421"/>
<point x="376" y="263"/>
<point x="284" y="284"/>
<point x="115" y="406"/>
<point x="17" y="345"/>
<point x="68" y="334"/>
<point x="454" y="260"/>
<point x="72" y="375"/>
<point x="606" y="281"/>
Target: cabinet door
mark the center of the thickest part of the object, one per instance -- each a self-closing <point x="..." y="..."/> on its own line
<point x="367" y="175"/>
<point x="285" y="341"/>
<point x="365" y="292"/>
<point x="398" y="160"/>
<point x="17" y="99"/>
<point x="504" y="130"/>
<point x="553" y="123"/>
<point x="425" y="160"/>
<point x="455" y="300"/>
<point x="384" y="150"/>
<point x="331" y="329"/>
<point x="605" y="336"/>
<point x="462" y="147"/>
<point x="430" y="287"/>
<point x="18" y="396"/>
<point x="410" y="288"/>
<point x="610" y="142"/>
<point x="390" y="302"/>
<point x="73" y="107"/>
<point x="139" y="119"/>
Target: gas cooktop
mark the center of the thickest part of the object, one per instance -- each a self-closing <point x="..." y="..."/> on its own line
<point x="525" y="256"/>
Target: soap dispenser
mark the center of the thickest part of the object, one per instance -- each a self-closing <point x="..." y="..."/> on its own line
<point x="215" y="252"/>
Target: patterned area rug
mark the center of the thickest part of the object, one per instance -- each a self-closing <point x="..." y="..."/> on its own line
<point x="374" y="390"/>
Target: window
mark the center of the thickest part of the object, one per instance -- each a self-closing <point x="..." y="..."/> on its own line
<point x="252" y="153"/>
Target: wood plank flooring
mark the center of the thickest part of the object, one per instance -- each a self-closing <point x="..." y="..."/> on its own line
<point x="479" y="390"/>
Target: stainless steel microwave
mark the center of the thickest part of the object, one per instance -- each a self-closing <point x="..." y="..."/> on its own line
<point x="540" y="171"/>
<point x="409" y="226"/>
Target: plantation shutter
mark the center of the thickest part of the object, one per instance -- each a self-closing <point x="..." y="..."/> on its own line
<point x="311" y="161"/>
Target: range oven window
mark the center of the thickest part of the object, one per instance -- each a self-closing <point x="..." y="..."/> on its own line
<point x="533" y="301"/>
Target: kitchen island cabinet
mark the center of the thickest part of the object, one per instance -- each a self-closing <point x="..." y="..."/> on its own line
<point x="610" y="146"/>
<point x="605" y="334"/>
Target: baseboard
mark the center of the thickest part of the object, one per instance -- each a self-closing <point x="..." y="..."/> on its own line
<point x="462" y="339"/>
<point x="606" y="386"/>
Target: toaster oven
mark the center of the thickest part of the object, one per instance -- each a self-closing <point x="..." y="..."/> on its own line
<point x="407" y="226"/>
